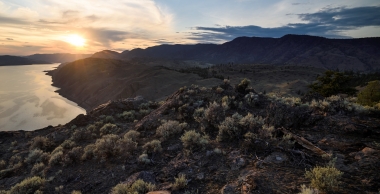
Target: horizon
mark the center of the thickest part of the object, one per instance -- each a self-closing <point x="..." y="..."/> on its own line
<point x="89" y="27"/>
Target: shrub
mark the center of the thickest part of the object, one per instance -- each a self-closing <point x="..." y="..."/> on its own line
<point x="108" y="128"/>
<point x="73" y="156"/>
<point x="81" y="134"/>
<point x="15" y="162"/>
<point x="170" y="128"/>
<point x="143" y="158"/>
<point x="324" y="178"/>
<point x="76" y="192"/>
<point x="250" y="121"/>
<point x="142" y="187"/>
<point x="229" y="128"/>
<point x="266" y="131"/>
<point x="38" y="168"/>
<point x="40" y="142"/>
<point x="37" y="155"/>
<point x="307" y="190"/>
<point x="68" y="144"/>
<point x="106" y="146"/>
<point x="242" y="86"/>
<point x="370" y="95"/>
<point x="128" y="115"/>
<point x="110" y="119"/>
<point x="180" y="182"/>
<point x="3" y="164"/>
<point x="28" y="186"/>
<point x="120" y="189"/>
<point x="214" y="113"/>
<point x="192" y="140"/>
<point x="132" y="134"/>
<point x="126" y="146"/>
<point x="88" y="152"/>
<point x="226" y="101"/>
<point x="153" y="146"/>
<point x="57" y="149"/>
<point x="55" y="158"/>
<point x="199" y="114"/>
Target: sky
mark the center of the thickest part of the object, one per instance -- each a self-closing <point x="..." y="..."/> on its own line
<point x="87" y="26"/>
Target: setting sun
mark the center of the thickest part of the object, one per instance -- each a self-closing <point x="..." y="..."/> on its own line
<point x="76" y="40"/>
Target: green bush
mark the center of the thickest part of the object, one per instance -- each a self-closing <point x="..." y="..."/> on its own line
<point x="56" y="158"/>
<point x="307" y="190"/>
<point x="243" y="85"/>
<point x="192" y="140"/>
<point x="170" y="128"/>
<point x="28" y="186"/>
<point x="3" y="164"/>
<point x="132" y="134"/>
<point x="38" y="168"/>
<point x="180" y="182"/>
<point x="109" y="128"/>
<point x="121" y="189"/>
<point x="153" y="146"/>
<point x="229" y="128"/>
<point x="106" y="146"/>
<point x="142" y="187"/>
<point x="143" y="158"/>
<point x="68" y="144"/>
<point x="39" y="142"/>
<point x="332" y="83"/>
<point x="110" y="119"/>
<point x="37" y="155"/>
<point x="88" y="152"/>
<point x="324" y="178"/>
<point x="370" y="95"/>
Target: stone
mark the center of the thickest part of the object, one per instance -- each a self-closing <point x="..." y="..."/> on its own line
<point x="229" y="189"/>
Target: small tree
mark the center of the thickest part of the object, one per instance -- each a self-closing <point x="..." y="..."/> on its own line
<point x="332" y="83"/>
<point x="370" y="95"/>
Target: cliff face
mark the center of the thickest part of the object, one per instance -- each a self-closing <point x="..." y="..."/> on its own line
<point x="345" y="54"/>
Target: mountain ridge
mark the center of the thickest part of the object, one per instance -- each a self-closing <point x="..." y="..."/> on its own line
<point x="361" y="54"/>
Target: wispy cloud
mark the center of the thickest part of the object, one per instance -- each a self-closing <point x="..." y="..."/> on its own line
<point x="329" y="22"/>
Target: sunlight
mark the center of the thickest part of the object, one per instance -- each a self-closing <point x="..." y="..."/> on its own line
<point x="76" y="40"/>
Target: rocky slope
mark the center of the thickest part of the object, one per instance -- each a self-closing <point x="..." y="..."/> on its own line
<point x="242" y="142"/>
<point x="343" y="54"/>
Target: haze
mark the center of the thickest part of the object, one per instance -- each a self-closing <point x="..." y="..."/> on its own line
<point x="42" y="26"/>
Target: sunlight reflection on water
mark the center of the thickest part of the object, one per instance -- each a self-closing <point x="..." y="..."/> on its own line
<point x="28" y="101"/>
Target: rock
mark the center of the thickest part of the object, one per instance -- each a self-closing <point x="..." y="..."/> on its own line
<point x="276" y="157"/>
<point x="174" y="147"/>
<point x="80" y="120"/>
<point x="237" y="163"/>
<point x="365" y="152"/>
<point x="229" y="189"/>
<point x="200" y="176"/>
<point x="146" y="176"/>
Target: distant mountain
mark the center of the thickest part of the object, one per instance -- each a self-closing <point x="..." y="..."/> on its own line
<point x="58" y="57"/>
<point x="345" y="54"/>
<point x="107" y="54"/>
<point x="6" y="60"/>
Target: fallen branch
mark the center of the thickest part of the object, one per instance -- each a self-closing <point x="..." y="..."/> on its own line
<point x="306" y="144"/>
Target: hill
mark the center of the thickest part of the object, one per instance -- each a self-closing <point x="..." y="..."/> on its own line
<point x="93" y="81"/>
<point x="222" y="139"/>
<point x="15" y="60"/>
<point x="58" y="57"/>
<point x="344" y="54"/>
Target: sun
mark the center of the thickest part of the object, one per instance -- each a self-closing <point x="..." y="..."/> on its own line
<point x="76" y="40"/>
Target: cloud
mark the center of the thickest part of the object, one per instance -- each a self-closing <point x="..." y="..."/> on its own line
<point x="9" y="38"/>
<point x="10" y="20"/>
<point x="105" y="36"/>
<point x="328" y="22"/>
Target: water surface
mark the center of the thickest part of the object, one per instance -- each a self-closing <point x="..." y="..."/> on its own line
<point x="28" y="101"/>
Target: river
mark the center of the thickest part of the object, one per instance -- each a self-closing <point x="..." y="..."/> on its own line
<point x="28" y="101"/>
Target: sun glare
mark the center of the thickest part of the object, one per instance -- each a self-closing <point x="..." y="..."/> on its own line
<point x="76" y="40"/>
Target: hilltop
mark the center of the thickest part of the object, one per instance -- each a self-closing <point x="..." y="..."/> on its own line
<point x="224" y="139"/>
